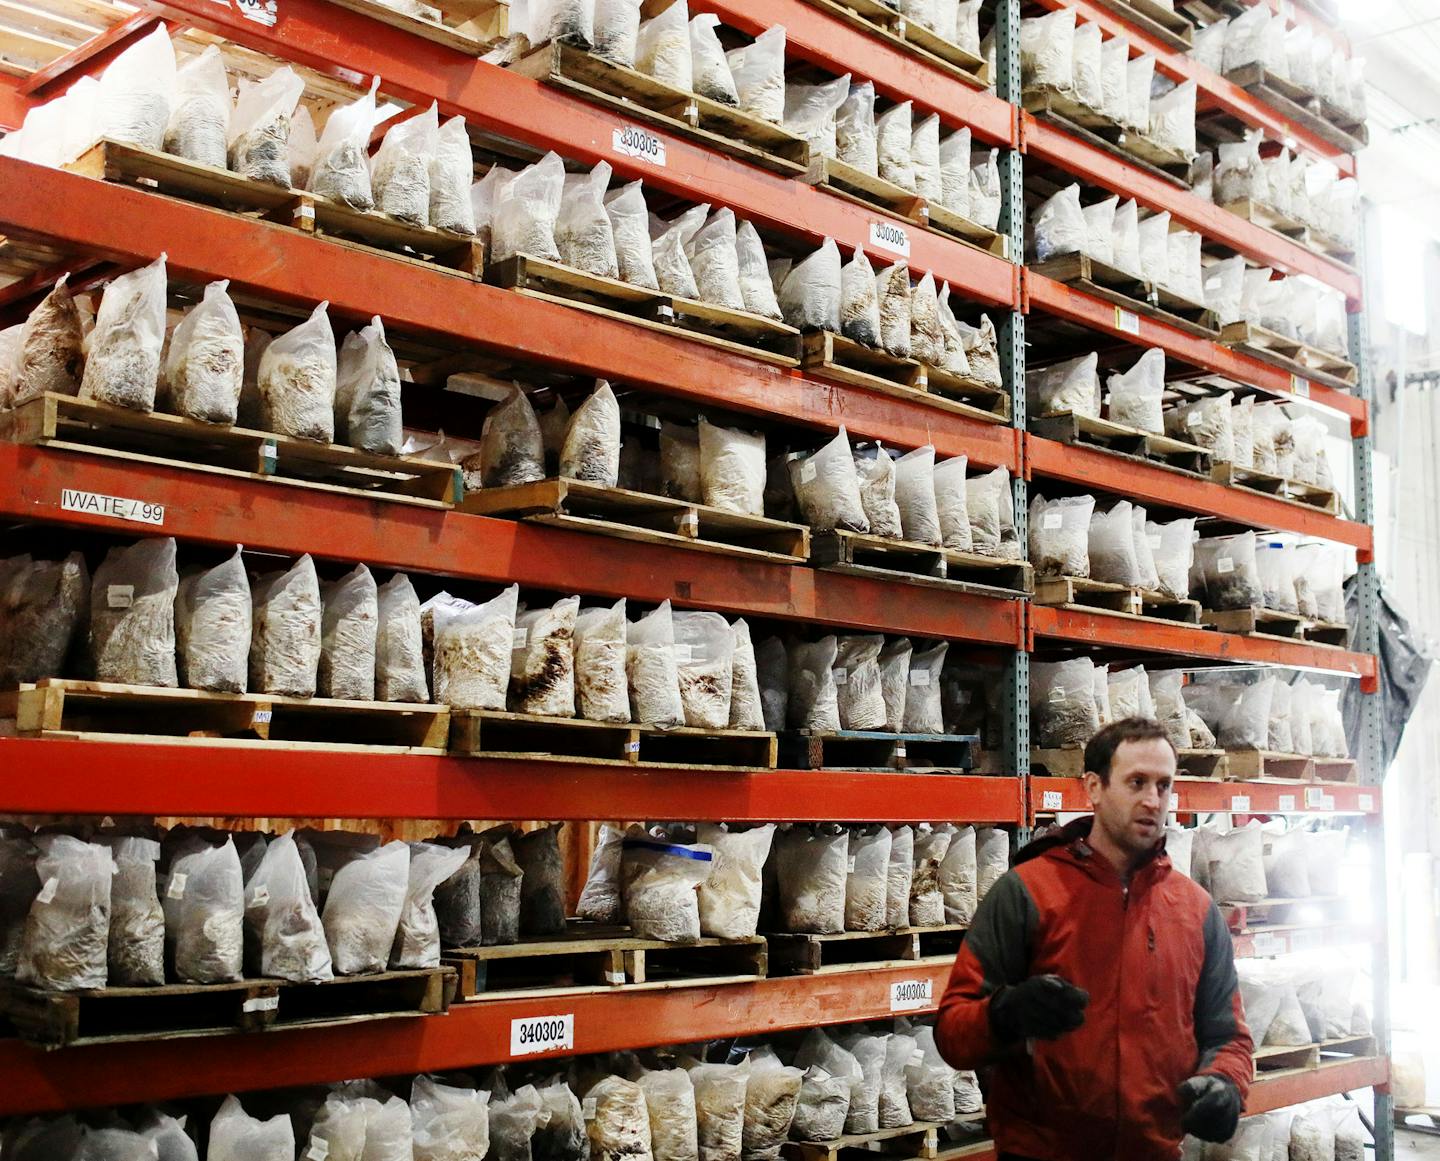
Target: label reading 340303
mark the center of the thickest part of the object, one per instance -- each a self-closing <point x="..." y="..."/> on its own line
<point x="911" y="995"/>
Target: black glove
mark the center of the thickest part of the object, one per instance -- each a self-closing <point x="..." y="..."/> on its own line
<point x="1211" y="1108"/>
<point x="1043" y="1007"/>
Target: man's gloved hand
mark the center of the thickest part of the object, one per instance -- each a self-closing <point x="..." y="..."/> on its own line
<point x="1043" y="1007"/>
<point x="1211" y="1107"/>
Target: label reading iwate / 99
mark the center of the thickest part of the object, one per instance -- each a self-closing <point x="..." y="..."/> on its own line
<point x="911" y="995"/>
<point x="542" y="1034"/>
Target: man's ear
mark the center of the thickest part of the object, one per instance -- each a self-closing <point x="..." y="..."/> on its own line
<point x="1093" y="786"/>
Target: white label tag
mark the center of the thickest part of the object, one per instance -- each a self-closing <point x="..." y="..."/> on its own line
<point x="850" y="865"/>
<point x="1367" y="802"/>
<point x="261" y="11"/>
<point x="889" y="236"/>
<point x="176" y="890"/>
<point x="911" y="995"/>
<point x="542" y="1034"/>
<point x="841" y="677"/>
<point x="632" y="747"/>
<point x="587" y="1108"/>
<point x="261" y="717"/>
<point x="1268" y="943"/>
<point x="684" y="654"/>
<point x="261" y="1004"/>
<point x="919" y="677"/>
<point x="632" y="141"/>
<point x="1240" y="802"/>
<point x="614" y="977"/>
<point x="119" y="596"/>
<point x="318" y="1151"/>
<point x="270" y="450"/>
<point x="917" y="1057"/>
<point x="115" y="507"/>
<point x="1057" y="694"/>
<point x="1193" y="419"/>
<point x="1052" y="800"/>
<point x="1314" y="797"/>
<point x="1299" y="386"/>
<point x="899" y="749"/>
<point x="1224" y="565"/>
<point x="1287" y="804"/>
<point x="520" y="639"/>
<point x="260" y="896"/>
<point x="807" y="471"/>
<point x="689" y="524"/>
<point x="1051" y="521"/>
<point x="47" y="892"/>
<point x="1127" y="321"/>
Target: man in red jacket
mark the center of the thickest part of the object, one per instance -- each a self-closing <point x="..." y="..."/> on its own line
<point x="1098" y="983"/>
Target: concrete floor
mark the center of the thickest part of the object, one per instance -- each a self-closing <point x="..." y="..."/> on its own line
<point x="1412" y="1144"/>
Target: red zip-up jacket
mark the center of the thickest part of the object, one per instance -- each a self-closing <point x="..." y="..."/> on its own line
<point x="1158" y="963"/>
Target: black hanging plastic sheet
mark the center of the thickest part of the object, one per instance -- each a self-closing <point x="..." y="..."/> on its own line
<point x="1404" y="669"/>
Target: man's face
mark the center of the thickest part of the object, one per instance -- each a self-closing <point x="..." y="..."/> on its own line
<point x="1132" y="808"/>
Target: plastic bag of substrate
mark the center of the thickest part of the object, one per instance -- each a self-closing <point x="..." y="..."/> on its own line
<point x="137" y="92"/>
<point x="542" y="886"/>
<point x="668" y="249"/>
<point x="286" y="639"/>
<point x="630" y="229"/>
<point x="301" y="147"/>
<point x="512" y="450"/>
<point x="297" y="381"/>
<point x="756" y="289"/>
<point x="893" y="136"/>
<point x="1205" y="423"/>
<point x="132" y="614"/>
<point x="205" y="360"/>
<point x="900" y="1050"/>
<point x="583" y="232"/>
<point x="514" y="1118"/>
<point x="283" y="931"/>
<point x="821" y="1107"/>
<point x="660" y="882"/>
<point x="814" y="702"/>
<point x="136" y="941"/>
<point x="42" y="604"/>
<point x="1287" y="874"/>
<point x="204" y="903"/>
<point x="915" y="496"/>
<point x="981" y="351"/>
<point x="955" y="172"/>
<point x="957" y="877"/>
<point x="1139" y="74"/>
<point x="1184" y="272"/>
<point x="542" y="661"/>
<point x="600" y="899"/>
<point x="1169" y="702"/>
<point x="617" y="1121"/>
<point x="985" y="192"/>
<point x="50" y="355"/>
<point x="867" y="878"/>
<point x="500" y="882"/>
<point x="772" y="668"/>
<point x="923" y="712"/>
<point x="729" y="897"/>
<point x="200" y="117"/>
<point x="652" y="671"/>
<point x="259" y="137"/>
<point x="449" y="1123"/>
<point x="1058" y="226"/>
<point x="925" y="158"/>
<point x="992" y="855"/>
<point x="714" y="261"/>
<point x="892" y="292"/>
<point x="709" y="71"/>
<point x="1112" y="546"/>
<point x="473" y="652"/>
<point x="746" y="707"/>
<point x="236" y="1136"/>
<point x="899" y="876"/>
<point x="363" y="907"/>
<point x="19" y="885"/>
<point x="670" y="1105"/>
<point x="571" y="21"/>
<point x="1144" y="550"/>
<point x="811" y="866"/>
<point x="1154" y="238"/>
<point x="927" y="338"/>
<point x="525" y="209"/>
<point x="719" y="1109"/>
<point x="1069" y="388"/>
<point x="810" y="113"/>
<point x="342" y="168"/>
<point x="927" y="901"/>
<point x="1172" y="547"/>
<point x="828" y="487"/>
<point x="855" y="133"/>
<point x="399" y="650"/>
<point x="759" y="72"/>
<point x="663" y="47"/>
<point x="987" y="502"/>
<point x="122" y="366"/>
<point x="732" y="469"/>
<point x="857" y="682"/>
<point x="771" y="1093"/>
<point x="1101" y="685"/>
<point x="809" y="296"/>
<point x="1172" y="119"/>
<point x="1062" y="703"/>
<point x="1046" y="50"/>
<point x="452" y="170"/>
<point x="930" y="1081"/>
<point x="367" y="392"/>
<point x="704" y="652"/>
<point x="1237" y="865"/>
<point x="875" y="471"/>
<point x="1275" y="563"/>
<point x="1227" y="574"/>
<point x="821" y="1054"/>
<point x="1060" y="535"/>
<point x="952" y="355"/>
<point x="600" y="682"/>
<point x="894" y="662"/>
<point x="417" y="936"/>
<point x="349" y="624"/>
<point x="168" y="1137"/>
<point x="680" y="462"/>
<point x="1135" y="395"/>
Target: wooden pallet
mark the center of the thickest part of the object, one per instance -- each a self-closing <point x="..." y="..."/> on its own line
<point x="835" y="357"/>
<point x="1345" y="1047"/>
<point x="1160" y="607"/>
<point x="132" y="165"/>
<point x="1303" y="108"/>
<point x="876" y="750"/>
<point x="1211" y="765"/>
<point x="978" y="1149"/>
<point x="1099" y="131"/>
<point x="886" y="24"/>
<point x="589" y="956"/>
<point x="1307" y="495"/>
<point x="1164" y="24"/>
<point x="1256" y="622"/>
<point x="732" y="330"/>
<point x="171" y="1011"/>
<point x="1280" y="1058"/>
<point x="678" y="111"/>
<point x="918" y="1140"/>
<point x="1271" y="220"/>
<point x="1252" y="764"/>
<point x="865" y="555"/>
<point x="1432" y="1112"/>
<point x="1273" y="914"/>
<point x="1341" y="770"/>
<point x="803" y="955"/>
<point x="496" y="734"/>
<point x="947" y="221"/>
<point x="471" y="28"/>
<point x="1084" y="595"/>
<point x="1290" y="354"/>
<point x="1129" y="293"/>
<point x="56" y="707"/>
<point x="844" y="180"/>
<point x="644" y="517"/>
<point x="1327" y="633"/>
<point x="151" y="437"/>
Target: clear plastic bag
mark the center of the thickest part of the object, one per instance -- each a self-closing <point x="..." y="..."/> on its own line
<point x="452" y="170"/>
<point x="301" y="148"/>
<point x="342" y="170"/>
<point x="583" y="231"/>
<point x="927" y="901"/>
<point x="1139" y="75"/>
<point x="204" y="905"/>
<point x="930" y="1081"/>
<point x="856" y="143"/>
<point x="927" y="341"/>
<point x="205" y="360"/>
<point x="63" y="946"/>
<point x="1237" y="866"/>
<point x="710" y="73"/>
<point x="670" y="1104"/>
<point x="1172" y="119"/>
<point x="1099" y="241"/>
<point x="982" y="352"/>
<point x="1071" y="387"/>
<point x="732" y="469"/>
<point x="925" y="157"/>
<point x="137" y="92"/>
<point x="893" y="134"/>
<point x="399" y="648"/>
<point x="212" y="626"/>
<point x="1154" y="236"/>
<point x="1184" y="273"/>
<point x="811" y="869"/>
<point x="809" y="296"/>
<point x="259" y="145"/>
<point x="923" y="701"/>
<point x="236" y="1136"/>
<point x="661" y="882"/>
<point x="601" y="691"/>
<point x="285" y="937"/>
<point x="669" y="242"/>
<point x="719" y="1109"/>
<point x="1088" y="85"/>
<point x="759" y="72"/>
<point x="810" y="113"/>
<point x="984" y="496"/>
<point x="652" y="670"/>
<point x="1058" y="226"/>
<point x="704" y="653"/>
<point x="773" y="669"/>
<point x="821" y="1107"/>
<point x="680" y="462"/>
<point x="1206" y="423"/>
<point x="1173" y="548"/>
<point x="1113" y="558"/>
<point x="714" y="261"/>
<point x="512" y="448"/>
<point x="951" y="494"/>
<point x="1169" y="706"/>
<point x="168" y="1135"/>
<point x="132" y="615"/>
<point x="514" y="1118"/>
<point x="500" y="881"/>
<point x="771" y="1093"/>
<point x="600" y="898"/>
<point x="857" y="682"/>
<point x="1060" y="535"/>
<point x="363" y="906"/>
<point x="417" y="936"/>
<point x="1225" y="572"/>
<point x="297" y="380"/>
<point x="1062" y="703"/>
<point x="349" y="625"/>
<point x="50" y="356"/>
<point x="746" y="712"/>
<point x="957" y="877"/>
<point x="1275" y="563"/>
<point x="663" y="47"/>
<point x="900" y="1050"/>
<point x="367" y="392"/>
<point x="915" y="496"/>
<point x="449" y="1123"/>
<point x="19" y="885"/>
<point x="572" y="21"/>
<point x="828" y="487"/>
<point x="473" y="652"/>
<point x="286" y="638"/>
<point x="1287" y="871"/>
<point x="869" y="1052"/>
<point x="630" y="228"/>
<point x="1047" y="55"/>
<point x="729" y="896"/>
<point x="136" y="955"/>
<point x="122" y="366"/>
<point x="892" y="290"/>
<point x="1311" y="464"/>
<point x="200" y="120"/>
<point x="1125" y="239"/>
<point x="525" y="209"/>
<point x="955" y="172"/>
<point x="895" y="681"/>
<point x="591" y="448"/>
<point x="813" y="696"/>
<point x="42" y="606"/>
<point x="1135" y="395"/>
<point x="866" y="886"/>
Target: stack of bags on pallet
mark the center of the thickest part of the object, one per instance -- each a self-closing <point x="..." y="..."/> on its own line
<point x="909" y="497"/>
<point x="1324" y="1130"/>
<point x="1296" y="308"/>
<point x="1070" y="537"/>
<point x="680" y="882"/>
<point x="1291" y="185"/>
<point x="1247" y="864"/>
<point x="1271" y="714"/>
<point x="1071" y="700"/>
<point x="1134" y="398"/>
<point x="1074" y="60"/>
<point x="1258" y="437"/>
<point x="1249" y="572"/>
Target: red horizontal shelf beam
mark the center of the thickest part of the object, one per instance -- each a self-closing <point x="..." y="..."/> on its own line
<point x="154" y="778"/>
<point x="1048" y="459"/>
<point x="1299" y="939"/>
<point x="840" y="47"/>
<point x="470" y="1036"/>
<point x="128" y="225"/>
<point x="1118" y="632"/>
<point x="1266" y="247"/>
<point x="1057" y="298"/>
<point x="1213" y="90"/>
<point x="1204" y="796"/>
<point x="334" y="40"/>
<point x="1292" y="1088"/>
<point x="224" y="510"/>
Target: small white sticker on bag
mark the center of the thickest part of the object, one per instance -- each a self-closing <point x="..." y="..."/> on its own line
<point x="1194" y="419"/>
<point x="919" y="677"/>
<point x="318" y="1150"/>
<point x="1224" y="565"/>
<point x="119" y="596"/>
<point x="260" y="897"/>
<point x="587" y="1108"/>
<point x="684" y="653"/>
<point x="807" y="471"/>
<point x="176" y="889"/>
<point x="841" y="676"/>
<point x="47" y="892"/>
<point x="1051" y="521"/>
<point x="261" y="1004"/>
<point x="520" y="639"/>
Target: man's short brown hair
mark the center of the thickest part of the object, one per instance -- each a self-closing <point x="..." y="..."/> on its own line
<point x="1100" y="749"/>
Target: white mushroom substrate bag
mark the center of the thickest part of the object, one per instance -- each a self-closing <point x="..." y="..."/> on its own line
<point x="813" y="702"/>
<point x="526" y="207"/>
<point x="132" y="614"/>
<point x="746" y="704"/>
<point x="893" y="134"/>
<point x="1062" y="702"/>
<point x="1072" y="387"/>
<point x="810" y="113"/>
<point x="590" y="450"/>
<point x="858" y="682"/>
<point x="349" y="626"/>
<point x="1060" y="535"/>
<point x="809" y="295"/>
<point x="915" y="496"/>
<point x="630" y="227"/>
<point x="1237" y="865"/>
<point x="1058" y="226"/>
<point x="729" y="897"/>
<point x="122" y="364"/>
<point x="660" y="882"/>
<point x="205" y="361"/>
<point x="212" y="626"/>
<point x="651" y="669"/>
<point x="1047" y="56"/>
<point x="204" y="903"/>
<point x="951" y="503"/>
<point x="710" y="74"/>
<point x="1225" y="573"/>
<point x="662" y="48"/>
<point x="811" y="868"/>
<point x="472" y="649"/>
<point x="542" y="661"/>
<point x="63" y="946"/>
<point x="855" y="131"/>
<point x="704" y="654"/>
<point x="867" y="878"/>
<point x="583" y="231"/>
<point x="1111" y="545"/>
<point x="923" y="693"/>
<point x="895" y="681"/>
<point x="875" y="473"/>
<point x="286" y="636"/>
<point x="400" y="168"/>
<point x="297" y="380"/>
<point x="732" y="469"/>
<point x="828" y="489"/>
<point x="340" y="168"/>
<point x="1172" y="546"/>
<point x="759" y="72"/>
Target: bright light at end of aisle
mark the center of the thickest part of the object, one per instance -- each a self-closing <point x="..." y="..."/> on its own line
<point x="1402" y="269"/>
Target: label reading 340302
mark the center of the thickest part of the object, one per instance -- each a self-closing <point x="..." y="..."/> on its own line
<point x="542" y="1034"/>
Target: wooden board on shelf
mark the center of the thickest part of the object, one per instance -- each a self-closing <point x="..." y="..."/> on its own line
<point x="940" y="384"/>
<point x="1080" y="594"/>
<point x="1306" y="495"/>
<point x="475" y="31"/>
<point x="56" y="707"/>
<point x="947" y="221"/>
<point x="641" y="516"/>
<point x="919" y="1139"/>
<point x="1210" y="765"/>
<point x="1164" y="24"/>
<point x="1343" y="770"/>
<point x="1303" y="108"/>
<point x="543" y="278"/>
<point x="132" y="165"/>
<point x="498" y="734"/>
<point x="906" y="561"/>
<point x="1120" y="440"/>
<point x="792" y="954"/>
<point x="1327" y="633"/>
<point x="1252" y="764"/>
<point x="885" y="23"/>
<point x="1270" y="219"/>
<point x="684" y="113"/>
<point x="844" y="180"/>
<point x="1277" y="1058"/>
<point x="1129" y="293"/>
<point x="1296" y="357"/>
<point x="876" y="750"/>
<point x="1097" y="130"/>
<point x="1262" y="622"/>
<point x="71" y="424"/>
<point x="759" y="336"/>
